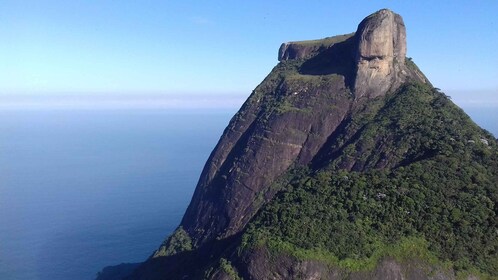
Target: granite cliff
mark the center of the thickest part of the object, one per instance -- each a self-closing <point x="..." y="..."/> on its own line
<point x="287" y="119"/>
<point x="314" y="177"/>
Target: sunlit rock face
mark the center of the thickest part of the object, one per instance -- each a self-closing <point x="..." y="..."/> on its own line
<point x="380" y="54"/>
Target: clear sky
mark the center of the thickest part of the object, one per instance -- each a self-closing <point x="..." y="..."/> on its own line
<point x="221" y="47"/>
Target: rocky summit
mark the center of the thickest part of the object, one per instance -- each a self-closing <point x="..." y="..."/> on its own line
<point x="380" y="54"/>
<point x="344" y="163"/>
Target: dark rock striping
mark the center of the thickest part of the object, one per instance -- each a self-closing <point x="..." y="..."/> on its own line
<point x="272" y="141"/>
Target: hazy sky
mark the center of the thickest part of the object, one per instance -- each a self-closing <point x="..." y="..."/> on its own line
<point x="221" y="47"/>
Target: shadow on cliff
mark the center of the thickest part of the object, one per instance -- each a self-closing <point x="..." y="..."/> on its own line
<point x="336" y="59"/>
<point x="188" y="264"/>
<point x="213" y="194"/>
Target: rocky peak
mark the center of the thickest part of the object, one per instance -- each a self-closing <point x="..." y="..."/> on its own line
<point x="288" y="121"/>
<point x="291" y="50"/>
<point x="377" y="55"/>
<point x="380" y="54"/>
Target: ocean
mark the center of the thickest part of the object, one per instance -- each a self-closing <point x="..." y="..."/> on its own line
<point x="81" y="190"/>
<point x="84" y="189"/>
<point x="486" y="117"/>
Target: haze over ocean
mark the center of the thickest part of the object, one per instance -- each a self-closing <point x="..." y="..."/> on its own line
<point x="80" y="190"/>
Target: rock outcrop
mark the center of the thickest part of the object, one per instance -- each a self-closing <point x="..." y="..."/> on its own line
<point x="380" y="54"/>
<point x="307" y="49"/>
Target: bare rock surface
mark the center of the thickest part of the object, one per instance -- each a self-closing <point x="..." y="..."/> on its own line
<point x="380" y="54"/>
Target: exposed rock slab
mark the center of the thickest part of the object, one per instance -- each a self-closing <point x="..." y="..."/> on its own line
<point x="380" y="54"/>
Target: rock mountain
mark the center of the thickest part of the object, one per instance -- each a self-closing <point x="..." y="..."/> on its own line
<point x="288" y="119"/>
<point x="344" y="163"/>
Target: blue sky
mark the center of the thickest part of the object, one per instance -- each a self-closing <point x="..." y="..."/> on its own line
<point x="222" y="47"/>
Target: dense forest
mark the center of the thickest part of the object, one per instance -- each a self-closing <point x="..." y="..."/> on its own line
<point x="440" y="197"/>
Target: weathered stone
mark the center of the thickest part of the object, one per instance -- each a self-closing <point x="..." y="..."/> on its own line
<point x="307" y="49"/>
<point x="291" y="50"/>
<point x="380" y="54"/>
<point x="260" y="144"/>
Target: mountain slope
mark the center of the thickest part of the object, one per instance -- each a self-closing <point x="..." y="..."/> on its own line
<point x="344" y="162"/>
<point x="419" y="173"/>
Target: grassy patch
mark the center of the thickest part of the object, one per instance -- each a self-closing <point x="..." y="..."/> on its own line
<point x="227" y="267"/>
<point x="178" y="242"/>
<point x="325" y="41"/>
<point x="406" y="249"/>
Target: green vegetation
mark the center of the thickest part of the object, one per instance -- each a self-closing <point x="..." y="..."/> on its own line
<point x="404" y="250"/>
<point x="419" y="122"/>
<point x="227" y="267"/>
<point x="425" y="186"/>
<point x="289" y="85"/>
<point x="325" y="41"/>
<point x="179" y="241"/>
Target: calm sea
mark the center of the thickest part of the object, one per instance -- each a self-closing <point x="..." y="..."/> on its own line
<point x="80" y="190"/>
<point x="486" y="117"/>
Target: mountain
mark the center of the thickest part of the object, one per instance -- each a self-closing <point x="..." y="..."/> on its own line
<point x="345" y="162"/>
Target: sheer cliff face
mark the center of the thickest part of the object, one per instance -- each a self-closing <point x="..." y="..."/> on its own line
<point x="380" y="54"/>
<point x="289" y="118"/>
<point x="284" y="122"/>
